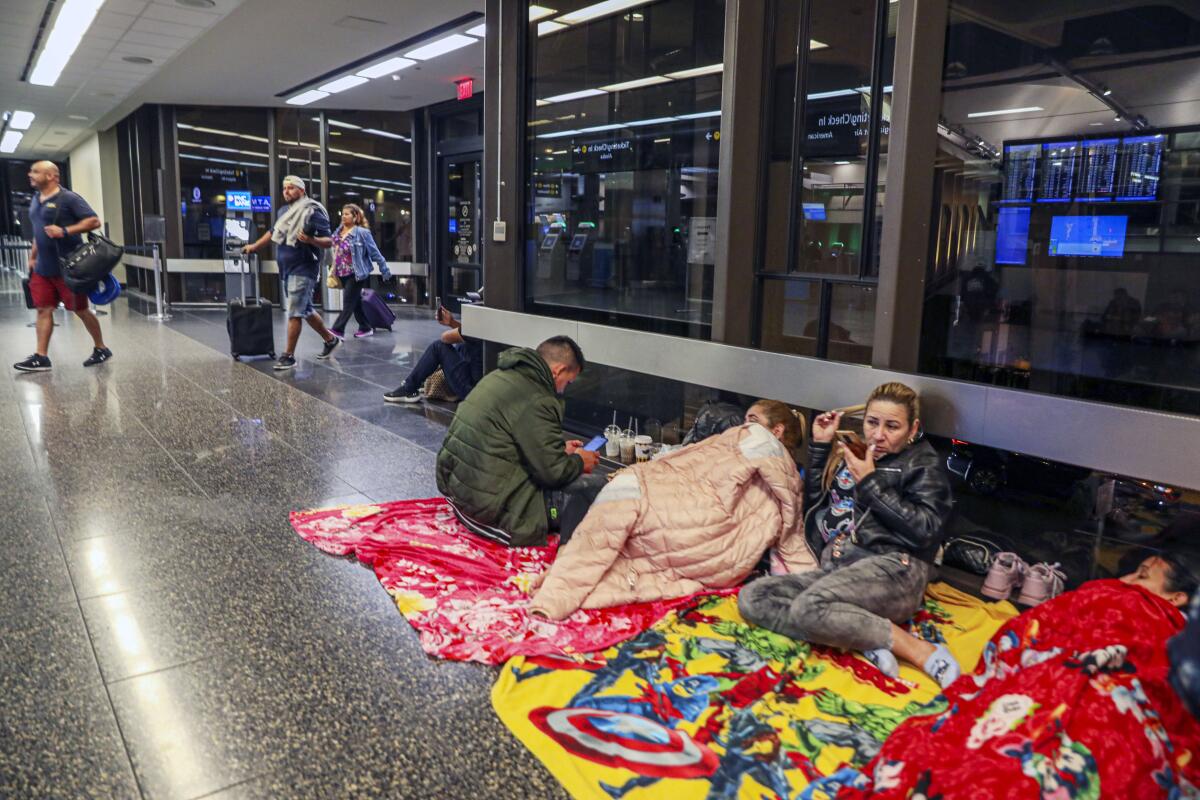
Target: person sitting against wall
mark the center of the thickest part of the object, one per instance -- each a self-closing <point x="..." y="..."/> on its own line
<point x="460" y="358"/>
<point x="503" y="465"/>
<point x="876" y="520"/>
<point x="695" y="519"/>
<point x="354" y="252"/>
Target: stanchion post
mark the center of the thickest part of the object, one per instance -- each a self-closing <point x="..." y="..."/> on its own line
<point x="161" y="314"/>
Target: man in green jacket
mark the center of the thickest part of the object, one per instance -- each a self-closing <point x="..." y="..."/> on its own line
<point x="504" y="466"/>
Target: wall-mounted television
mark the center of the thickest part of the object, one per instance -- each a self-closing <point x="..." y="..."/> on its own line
<point x="1088" y="236"/>
<point x="814" y="211"/>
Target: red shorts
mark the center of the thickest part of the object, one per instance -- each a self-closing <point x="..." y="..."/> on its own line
<point x="47" y="292"/>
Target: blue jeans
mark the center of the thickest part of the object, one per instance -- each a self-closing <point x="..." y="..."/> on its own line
<point x="461" y="363"/>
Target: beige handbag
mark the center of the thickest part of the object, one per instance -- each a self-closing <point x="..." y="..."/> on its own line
<point x="436" y="388"/>
<point x="333" y="281"/>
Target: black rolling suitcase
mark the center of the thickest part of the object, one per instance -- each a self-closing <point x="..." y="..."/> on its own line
<point x="250" y="323"/>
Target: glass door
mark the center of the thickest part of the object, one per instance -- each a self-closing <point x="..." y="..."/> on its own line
<point x="460" y="252"/>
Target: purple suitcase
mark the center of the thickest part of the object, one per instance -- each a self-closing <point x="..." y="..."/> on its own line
<point x="377" y="311"/>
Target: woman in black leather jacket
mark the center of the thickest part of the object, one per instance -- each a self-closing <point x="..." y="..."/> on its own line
<point x="875" y="523"/>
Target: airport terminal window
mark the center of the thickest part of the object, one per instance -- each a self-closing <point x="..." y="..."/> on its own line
<point x="370" y="165"/>
<point x="623" y="138"/>
<point x="824" y="221"/>
<point x="298" y="148"/>
<point x="219" y="153"/>
<point x="1067" y="204"/>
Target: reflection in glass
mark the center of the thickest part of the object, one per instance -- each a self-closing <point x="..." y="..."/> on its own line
<point x="624" y="140"/>
<point x="1066" y="206"/>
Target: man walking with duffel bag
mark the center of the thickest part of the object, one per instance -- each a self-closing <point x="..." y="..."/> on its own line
<point x="59" y="218"/>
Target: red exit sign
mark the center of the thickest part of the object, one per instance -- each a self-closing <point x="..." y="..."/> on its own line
<point x="466" y="88"/>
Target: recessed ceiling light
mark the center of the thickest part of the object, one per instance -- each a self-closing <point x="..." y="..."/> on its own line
<point x="540" y="12"/>
<point x="197" y="3"/>
<point x="550" y="26"/>
<point x="136" y="60"/>
<point x="696" y="72"/>
<point x="813" y="44"/>
<point x="999" y="111"/>
<point x="841" y="163"/>
<point x="559" y="98"/>
<point x="597" y="10"/>
<point x="20" y="120"/>
<point x="304" y="98"/>
<point x="386" y="67"/>
<point x="10" y="140"/>
<point x="479" y="30"/>
<point x="636" y="84"/>
<point x="73" y="20"/>
<point x="61" y="133"/>
<point x="79" y="117"/>
<point x="444" y="45"/>
<point x="342" y="84"/>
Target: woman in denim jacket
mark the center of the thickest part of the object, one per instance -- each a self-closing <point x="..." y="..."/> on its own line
<point x="354" y="252"/>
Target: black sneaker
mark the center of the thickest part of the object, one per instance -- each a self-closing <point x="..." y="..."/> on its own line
<point x="330" y="346"/>
<point x="285" y="362"/>
<point x="34" y="363"/>
<point x="401" y="396"/>
<point x="99" y="356"/>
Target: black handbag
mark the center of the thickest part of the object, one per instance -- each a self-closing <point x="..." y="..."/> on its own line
<point x="85" y="266"/>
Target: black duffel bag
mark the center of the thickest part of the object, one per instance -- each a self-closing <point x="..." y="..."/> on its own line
<point x="85" y="266"/>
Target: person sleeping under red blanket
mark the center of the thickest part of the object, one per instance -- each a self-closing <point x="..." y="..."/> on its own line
<point x="1070" y="701"/>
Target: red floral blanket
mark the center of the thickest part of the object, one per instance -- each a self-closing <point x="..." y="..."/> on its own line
<point x="1070" y="701"/>
<point x="467" y="598"/>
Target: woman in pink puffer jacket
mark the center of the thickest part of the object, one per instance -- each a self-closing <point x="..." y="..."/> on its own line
<point x="698" y="518"/>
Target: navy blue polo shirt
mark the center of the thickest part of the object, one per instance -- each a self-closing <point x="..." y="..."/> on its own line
<point x="63" y="208"/>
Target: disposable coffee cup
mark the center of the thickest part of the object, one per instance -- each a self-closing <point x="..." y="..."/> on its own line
<point x="612" y="442"/>
<point x="641" y="446"/>
<point x="628" y="451"/>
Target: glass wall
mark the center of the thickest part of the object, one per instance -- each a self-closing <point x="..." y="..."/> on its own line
<point x="1067" y="203"/>
<point x="623" y="141"/>
<point x="139" y="158"/>
<point x="217" y="154"/>
<point x="370" y="165"/>
<point x="825" y="175"/>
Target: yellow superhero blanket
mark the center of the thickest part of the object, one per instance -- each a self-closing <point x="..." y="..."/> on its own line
<point x="704" y="705"/>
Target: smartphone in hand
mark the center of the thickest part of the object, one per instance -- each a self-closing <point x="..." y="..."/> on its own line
<point x="595" y="444"/>
<point x="853" y="444"/>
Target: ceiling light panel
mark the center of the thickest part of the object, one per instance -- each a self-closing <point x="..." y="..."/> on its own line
<point x="10" y="140"/>
<point x="562" y="98"/>
<point x="304" y="98"/>
<point x="73" y="20"/>
<point x="999" y="111"/>
<point x="342" y="84"/>
<point x="813" y="44"/>
<point x="653" y="80"/>
<point x="440" y="47"/>
<point x="386" y="67"/>
<point x="696" y="72"/>
<point x="479" y="30"/>
<point x="597" y="10"/>
<point x="20" y="120"/>
<point x="387" y="134"/>
<point x="550" y="26"/>
<point x="540" y="12"/>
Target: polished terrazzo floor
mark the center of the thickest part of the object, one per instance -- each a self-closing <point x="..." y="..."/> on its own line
<point x="165" y="634"/>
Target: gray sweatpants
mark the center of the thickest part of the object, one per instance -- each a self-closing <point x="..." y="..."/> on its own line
<point x="850" y="607"/>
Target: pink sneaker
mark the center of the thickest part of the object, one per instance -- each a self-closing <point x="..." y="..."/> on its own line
<point x="1006" y="574"/>
<point x="364" y="333"/>
<point x="1042" y="582"/>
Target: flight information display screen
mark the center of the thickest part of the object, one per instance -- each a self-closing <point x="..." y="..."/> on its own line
<point x="1139" y="168"/>
<point x="1100" y="170"/>
<point x="1020" y="172"/>
<point x="1012" y="235"/>
<point x="1060" y="163"/>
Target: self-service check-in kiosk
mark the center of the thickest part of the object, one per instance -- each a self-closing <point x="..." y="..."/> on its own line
<point x="579" y="254"/>
<point x="552" y="258"/>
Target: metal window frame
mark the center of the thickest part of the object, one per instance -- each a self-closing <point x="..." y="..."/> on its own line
<point x="870" y="242"/>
